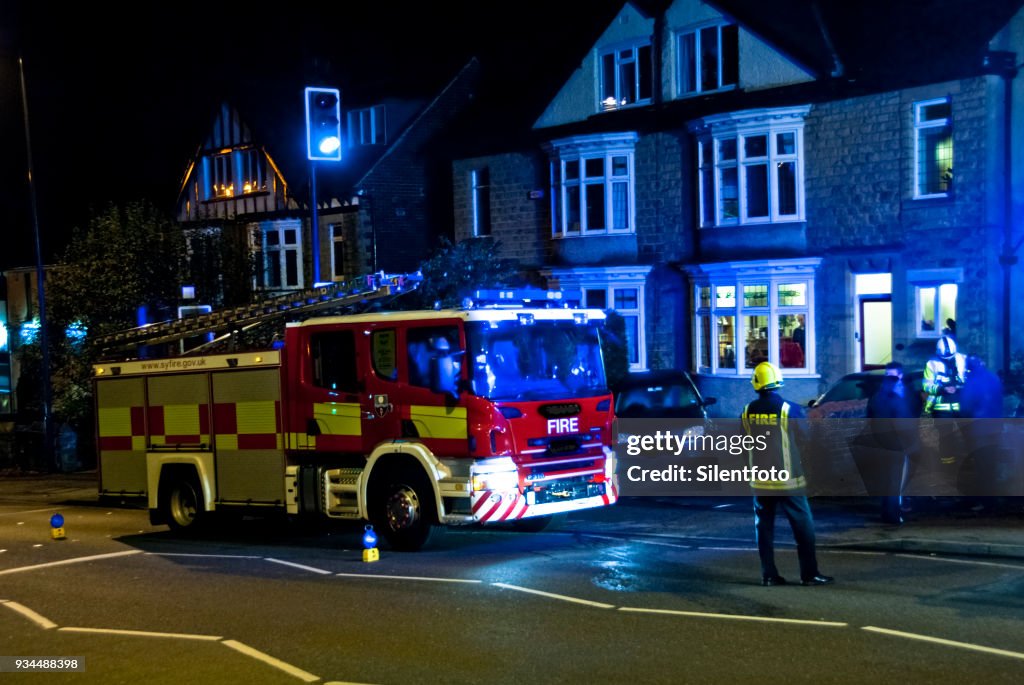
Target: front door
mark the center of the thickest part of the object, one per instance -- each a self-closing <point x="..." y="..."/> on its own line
<point x="875" y="331"/>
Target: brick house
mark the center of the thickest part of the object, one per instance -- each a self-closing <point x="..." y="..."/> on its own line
<point x="744" y="184"/>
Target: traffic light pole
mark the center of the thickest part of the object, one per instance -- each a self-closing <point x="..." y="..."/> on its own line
<point x="314" y="223"/>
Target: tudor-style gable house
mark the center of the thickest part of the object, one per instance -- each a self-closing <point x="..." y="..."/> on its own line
<point x="744" y="186"/>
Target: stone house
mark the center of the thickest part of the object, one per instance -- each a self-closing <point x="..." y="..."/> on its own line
<point x="746" y="185"/>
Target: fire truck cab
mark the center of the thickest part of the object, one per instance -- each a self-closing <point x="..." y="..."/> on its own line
<point x="410" y="420"/>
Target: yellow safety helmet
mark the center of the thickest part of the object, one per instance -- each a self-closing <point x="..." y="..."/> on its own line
<point x="766" y="377"/>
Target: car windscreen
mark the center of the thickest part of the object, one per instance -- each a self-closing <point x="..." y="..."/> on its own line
<point x="545" y="360"/>
<point x="857" y="388"/>
<point x="656" y="399"/>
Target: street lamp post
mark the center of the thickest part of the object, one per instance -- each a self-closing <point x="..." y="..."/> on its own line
<point x="44" y="343"/>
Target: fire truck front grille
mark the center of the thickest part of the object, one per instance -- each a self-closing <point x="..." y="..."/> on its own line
<point x="566" y="490"/>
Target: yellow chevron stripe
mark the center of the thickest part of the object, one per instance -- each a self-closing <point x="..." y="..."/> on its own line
<point x="439" y="422"/>
<point x="338" y="418"/>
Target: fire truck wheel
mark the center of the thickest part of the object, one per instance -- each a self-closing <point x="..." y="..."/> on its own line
<point x="181" y="504"/>
<point x="538" y="523"/>
<point x="403" y="509"/>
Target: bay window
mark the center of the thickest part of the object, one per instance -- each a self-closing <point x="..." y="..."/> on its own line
<point x="750" y="312"/>
<point x="750" y="167"/>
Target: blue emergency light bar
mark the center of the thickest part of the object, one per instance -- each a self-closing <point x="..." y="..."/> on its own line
<point x="525" y="297"/>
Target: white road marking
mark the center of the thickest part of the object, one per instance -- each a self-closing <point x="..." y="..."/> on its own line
<point x="39" y="620"/>
<point x="304" y="676"/>
<point x="205" y="556"/>
<point x="854" y="551"/>
<point x="947" y="643"/>
<point x="144" y="633"/>
<point x="439" y="580"/>
<point x="299" y="566"/>
<point x="639" y="542"/>
<point x="738" y="617"/>
<point x="30" y="511"/>
<point x="731" y="549"/>
<point x="551" y="595"/>
<point x="1017" y="567"/>
<point x="64" y="562"/>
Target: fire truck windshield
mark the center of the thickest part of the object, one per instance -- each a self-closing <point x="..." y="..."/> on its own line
<point x="541" y="361"/>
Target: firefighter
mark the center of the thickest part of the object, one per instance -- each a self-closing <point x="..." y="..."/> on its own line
<point x="778" y="421"/>
<point x="944" y="376"/>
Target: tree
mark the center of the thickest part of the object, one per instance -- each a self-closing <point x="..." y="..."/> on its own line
<point x="455" y="270"/>
<point x="126" y="258"/>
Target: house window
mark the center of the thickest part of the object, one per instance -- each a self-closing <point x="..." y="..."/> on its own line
<point x="367" y="126"/>
<point x="936" y="303"/>
<point x="481" y="181"/>
<point x="748" y="313"/>
<point x="626" y="77"/>
<point x="254" y="172"/>
<point x="337" y="252"/>
<point x="750" y="167"/>
<point x="282" y="255"/>
<point x="618" y="288"/>
<point x="592" y="181"/>
<point x="221" y="174"/>
<point x="708" y="59"/>
<point x="933" y="148"/>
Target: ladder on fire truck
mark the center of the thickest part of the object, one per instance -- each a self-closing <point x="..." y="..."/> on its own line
<point x="341" y="296"/>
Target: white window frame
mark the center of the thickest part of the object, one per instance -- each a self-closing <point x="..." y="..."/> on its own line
<point x="580" y="149"/>
<point x="280" y="252"/>
<point x="712" y="131"/>
<point x="367" y="126"/>
<point x="772" y="273"/>
<point x="921" y="126"/>
<point x="480" y="183"/>
<point x="337" y="239"/>
<point x="933" y="278"/>
<point x="680" y="83"/>
<point x="610" y="279"/>
<point x="607" y="102"/>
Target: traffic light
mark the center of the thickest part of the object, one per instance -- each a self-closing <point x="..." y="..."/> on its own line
<point x="323" y="124"/>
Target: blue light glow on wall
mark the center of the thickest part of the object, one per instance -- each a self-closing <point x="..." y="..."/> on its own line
<point x="3" y="337"/>
<point x="29" y="332"/>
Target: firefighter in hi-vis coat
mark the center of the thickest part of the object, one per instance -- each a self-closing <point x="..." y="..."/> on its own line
<point x="771" y="416"/>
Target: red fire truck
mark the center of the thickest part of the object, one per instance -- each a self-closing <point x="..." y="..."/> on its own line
<point x="411" y="420"/>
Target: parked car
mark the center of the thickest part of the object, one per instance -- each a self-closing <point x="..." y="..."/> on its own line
<point x="669" y="394"/>
<point x="848" y="397"/>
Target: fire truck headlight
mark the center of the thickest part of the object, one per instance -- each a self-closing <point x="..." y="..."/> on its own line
<point x="495" y="474"/>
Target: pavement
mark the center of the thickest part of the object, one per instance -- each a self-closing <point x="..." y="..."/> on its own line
<point x="978" y="527"/>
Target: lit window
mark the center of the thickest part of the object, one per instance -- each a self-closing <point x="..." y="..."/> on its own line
<point x="625" y="77"/>
<point x="222" y="180"/>
<point x="933" y="148"/>
<point x="481" y="181"/>
<point x="936" y="304"/>
<point x="592" y="185"/>
<point x="750" y="167"/>
<point x="254" y="175"/>
<point x="708" y="59"/>
<point x="367" y="126"/>
<point x="771" y="320"/>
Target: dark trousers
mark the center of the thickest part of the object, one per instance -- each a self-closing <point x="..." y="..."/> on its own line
<point x="798" y="511"/>
<point x="892" y="504"/>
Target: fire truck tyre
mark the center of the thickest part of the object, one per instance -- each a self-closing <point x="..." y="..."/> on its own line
<point x="403" y="509"/>
<point x="538" y="523"/>
<point x="181" y="504"/>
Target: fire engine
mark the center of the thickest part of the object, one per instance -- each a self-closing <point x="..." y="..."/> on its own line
<point x="497" y="411"/>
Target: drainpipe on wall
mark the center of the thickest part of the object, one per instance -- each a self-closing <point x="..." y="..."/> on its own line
<point x="1003" y="63"/>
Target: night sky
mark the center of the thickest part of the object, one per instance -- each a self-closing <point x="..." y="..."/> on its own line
<point x="120" y="99"/>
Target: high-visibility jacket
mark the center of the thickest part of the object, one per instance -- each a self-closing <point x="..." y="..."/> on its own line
<point x="940" y="374"/>
<point x="779" y="422"/>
